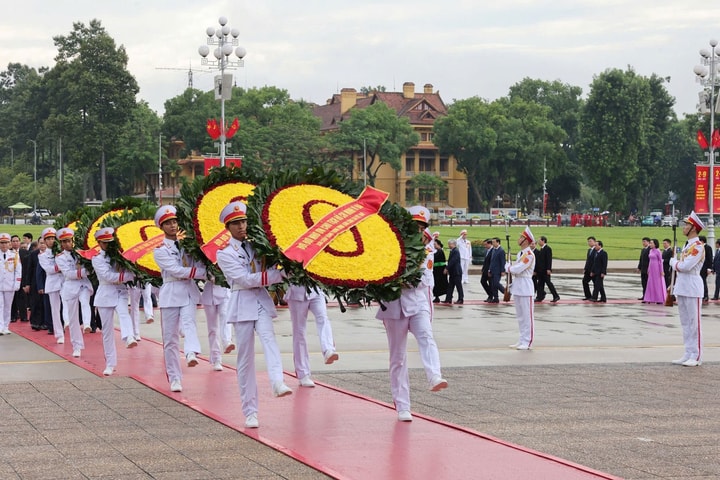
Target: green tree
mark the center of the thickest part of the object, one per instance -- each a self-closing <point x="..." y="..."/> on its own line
<point x="379" y="130"/>
<point x="186" y="117"/>
<point x="93" y="96"/>
<point x="564" y="174"/>
<point x="470" y="133"/>
<point x="427" y="186"/>
<point x="616" y="129"/>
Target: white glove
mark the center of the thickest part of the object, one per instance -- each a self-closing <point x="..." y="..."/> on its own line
<point x="507" y="266"/>
<point x="673" y="262"/>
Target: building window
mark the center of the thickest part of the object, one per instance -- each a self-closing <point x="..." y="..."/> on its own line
<point x="444" y="167"/>
<point x="426" y="136"/>
<point x="410" y="163"/>
<point x="427" y="161"/>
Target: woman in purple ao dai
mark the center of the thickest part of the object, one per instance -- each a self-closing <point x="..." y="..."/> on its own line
<point x="655" y="291"/>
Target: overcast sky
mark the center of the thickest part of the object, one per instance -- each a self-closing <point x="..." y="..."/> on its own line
<point x="313" y="48"/>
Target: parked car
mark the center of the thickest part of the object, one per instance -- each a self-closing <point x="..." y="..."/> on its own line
<point x="41" y="212"/>
<point x="648" y="221"/>
<point x="668" y="221"/>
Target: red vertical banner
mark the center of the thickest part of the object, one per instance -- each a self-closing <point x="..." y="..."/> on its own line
<point x="701" y="188"/>
<point x="716" y="190"/>
<point x="545" y="199"/>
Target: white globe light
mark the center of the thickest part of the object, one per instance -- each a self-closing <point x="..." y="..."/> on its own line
<point x="210" y="31"/>
<point x="235" y="32"/>
<point x="240" y="52"/>
<point x="226" y="30"/>
<point x="700" y="70"/>
<point x="217" y="53"/>
<point x="222" y="20"/>
<point x="204" y="50"/>
<point x="227" y="49"/>
<point x="704" y="52"/>
<point x="713" y="43"/>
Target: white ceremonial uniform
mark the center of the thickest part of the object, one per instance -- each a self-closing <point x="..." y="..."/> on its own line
<point x="112" y="297"/>
<point x="465" y="249"/>
<point x="412" y="312"/>
<point x="301" y="301"/>
<point x="214" y="300"/>
<point x="178" y="299"/>
<point x="75" y="293"/>
<point x="53" y="283"/>
<point x="688" y="290"/>
<point x="250" y="309"/>
<point x="523" y="290"/>
<point x="135" y="293"/>
<point x="10" y="277"/>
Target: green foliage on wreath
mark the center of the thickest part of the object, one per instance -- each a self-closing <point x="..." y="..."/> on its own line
<point x="394" y="213"/>
<point x="146" y="211"/>
<point x="190" y="192"/>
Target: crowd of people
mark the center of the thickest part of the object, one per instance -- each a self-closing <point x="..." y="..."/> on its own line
<point x="54" y="293"/>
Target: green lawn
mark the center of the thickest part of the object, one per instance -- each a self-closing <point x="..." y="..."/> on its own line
<point x="570" y="243"/>
<point x="20" y="229"/>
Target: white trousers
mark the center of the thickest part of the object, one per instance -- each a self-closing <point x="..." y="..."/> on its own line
<point x="172" y="320"/>
<point x="6" y="299"/>
<point x="690" y="309"/>
<point x="397" y="331"/>
<point x="107" y="316"/>
<point x="71" y="315"/>
<point x="465" y="264"/>
<point x="54" y="299"/>
<point x="135" y="293"/>
<point x="525" y="314"/>
<point x="298" y="315"/>
<point x="247" y="378"/>
<point x="212" y="318"/>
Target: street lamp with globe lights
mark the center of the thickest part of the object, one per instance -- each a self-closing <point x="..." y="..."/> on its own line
<point x="707" y="75"/>
<point x="224" y="38"/>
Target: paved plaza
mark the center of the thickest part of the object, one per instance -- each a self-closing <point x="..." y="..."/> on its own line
<point x="597" y="389"/>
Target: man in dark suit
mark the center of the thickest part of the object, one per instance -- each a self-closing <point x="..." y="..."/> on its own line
<point x="598" y="272"/>
<point x="497" y="268"/>
<point x="485" y="279"/>
<point x="667" y="254"/>
<point x="588" y="268"/>
<point x="454" y="272"/>
<point x="643" y="265"/>
<point x="707" y="266"/>
<point x="716" y="269"/>
<point x="543" y="270"/>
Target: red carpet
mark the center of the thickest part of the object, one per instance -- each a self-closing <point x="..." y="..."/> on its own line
<point x="342" y="434"/>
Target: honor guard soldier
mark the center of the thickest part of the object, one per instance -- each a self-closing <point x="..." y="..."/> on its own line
<point x="111" y="298"/>
<point x="300" y="302"/>
<point x="250" y="310"/>
<point x="214" y="300"/>
<point x="53" y="282"/>
<point x="689" y="291"/>
<point x="412" y="312"/>
<point x="10" y="278"/>
<point x="523" y="290"/>
<point x="76" y="290"/>
<point x="178" y="297"/>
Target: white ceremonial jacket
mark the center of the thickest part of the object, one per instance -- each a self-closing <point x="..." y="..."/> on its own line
<point x="11" y="271"/>
<point x="522" y="271"/>
<point x="76" y="276"/>
<point x="53" y="276"/>
<point x="112" y="291"/>
<point x="214" y="294"/>
<point x="688" y="282"/>
<point x="179" y="272"/>
<point x="247" y="279"/>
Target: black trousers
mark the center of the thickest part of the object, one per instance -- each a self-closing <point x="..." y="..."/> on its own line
<point x="542" y="280"/>
<point x="486" y="284"/>
<point x="496" y="286"/>
<point x="453" y="282"/>
<point x="586" y="284"/>
<point x="19" y="306"/>
<point x="598" y="288"/>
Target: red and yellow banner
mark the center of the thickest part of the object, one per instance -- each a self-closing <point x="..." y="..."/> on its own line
<point x="702" y="187"/>
<point x="340" y="220"/>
